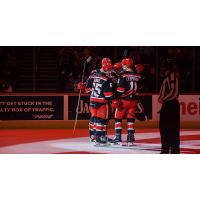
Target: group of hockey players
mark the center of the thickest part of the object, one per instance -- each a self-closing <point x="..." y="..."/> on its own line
<point x="113" y="88"/>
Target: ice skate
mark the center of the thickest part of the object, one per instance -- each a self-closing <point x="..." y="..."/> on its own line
<point x="117" y="140"/>
<point x="130" y="140"/>
<point x="92" y="138"/>
<point x="101" y="141"/>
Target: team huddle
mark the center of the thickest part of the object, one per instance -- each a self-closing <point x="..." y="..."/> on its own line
<point x="113" y="87"/>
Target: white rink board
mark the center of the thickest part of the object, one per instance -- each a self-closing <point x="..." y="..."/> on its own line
<point x="189" y="109"/>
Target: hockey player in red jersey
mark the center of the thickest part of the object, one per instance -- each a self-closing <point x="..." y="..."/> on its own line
<point x="114" y="75"/>
<point x="126" y="106"/>
<point x="100" y="87"/>
<point x="117" y="70"/>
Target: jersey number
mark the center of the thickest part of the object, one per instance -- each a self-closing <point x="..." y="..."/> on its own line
<point x="133" y="86"/>
<point x="96" y="90"/>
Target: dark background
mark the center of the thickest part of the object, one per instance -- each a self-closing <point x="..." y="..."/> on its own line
<point x="58" y="69"/>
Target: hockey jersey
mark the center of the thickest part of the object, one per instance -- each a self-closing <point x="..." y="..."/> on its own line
<point x="114" y="76"/>
<point x="100" y="87"/>
<point x="127" y="86"/>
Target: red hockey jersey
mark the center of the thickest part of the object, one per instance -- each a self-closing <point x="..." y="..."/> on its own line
<point x="127" y="86"/>
<point x="100" y="87"/>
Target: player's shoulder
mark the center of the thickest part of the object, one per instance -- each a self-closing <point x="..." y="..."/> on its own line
<point x="127" y="74"/>
<point x="93" y="74"/>
<point x="138" y="75"/>
<point x="102" y="76"/>
<point x="94" y="71"/>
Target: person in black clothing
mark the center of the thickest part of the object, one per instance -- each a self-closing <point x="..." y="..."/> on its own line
<point x="169" y="123"/>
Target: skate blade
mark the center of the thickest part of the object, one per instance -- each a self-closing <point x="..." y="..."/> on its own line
<point x="128" y="144"/>
<point x="101" y="145"/>
<point x="116" y="144"/>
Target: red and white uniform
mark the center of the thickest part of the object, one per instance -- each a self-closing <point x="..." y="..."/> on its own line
<point x="101" y="92"/>
<point x="100" y="87"/>
<point x="127" y="91"/>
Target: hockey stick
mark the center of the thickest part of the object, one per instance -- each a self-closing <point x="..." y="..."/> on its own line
<point x="79" y="96"/>
<point x="125" y="52"/>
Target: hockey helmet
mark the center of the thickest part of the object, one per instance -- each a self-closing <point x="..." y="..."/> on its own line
<point x="106" y="64"/>
<point x="128" y="62"/>
<point x="117" y="66"/>
<point x="139" y="68"/>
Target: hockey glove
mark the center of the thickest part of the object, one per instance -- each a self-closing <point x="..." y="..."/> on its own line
<point x="81" y="86"/>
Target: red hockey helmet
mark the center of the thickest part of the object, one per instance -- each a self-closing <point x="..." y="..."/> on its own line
<point x="128" y="62"/>
<point x="106" y="64"/>
<point x="139" y="68"/>
<point x="117" y="66"/>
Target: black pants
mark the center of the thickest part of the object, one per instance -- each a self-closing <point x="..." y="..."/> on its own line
<point x="170" y="127"/>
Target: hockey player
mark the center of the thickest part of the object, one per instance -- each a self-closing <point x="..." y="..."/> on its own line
<point x="99" y="85"/>
<point x="126" y="106"/>
<point x="117" y="70"/>
<point x="115" y="74"/>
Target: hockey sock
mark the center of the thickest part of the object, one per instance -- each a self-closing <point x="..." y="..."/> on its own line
<point x="131" y="126"/>
<point x="91" y="126"/>
<point x="101" y="126"/>
<point x="118" y="127"/>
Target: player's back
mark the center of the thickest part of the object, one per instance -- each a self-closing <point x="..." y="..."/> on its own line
<point x="101" y="88"/>
<point x="127" y="85"/>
